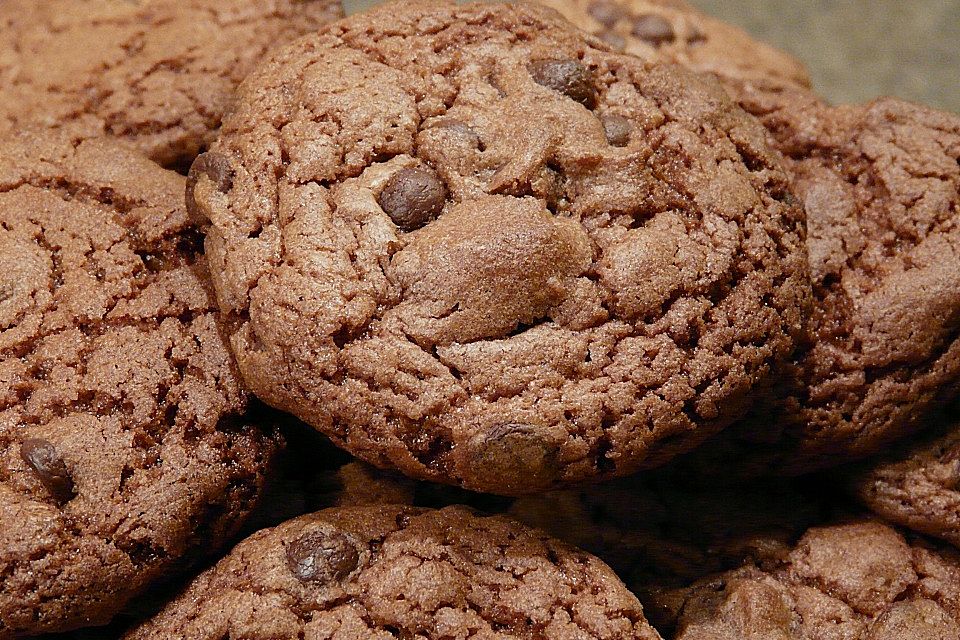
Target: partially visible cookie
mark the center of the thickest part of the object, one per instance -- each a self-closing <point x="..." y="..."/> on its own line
<point x="472" y="244"/>
<point x="386" y="572"/>
<point x="674" y="31"/>
<point x="857" y="581"/>
<point x="159" y="74"/>
<point x="919" y="487"/>
<point x="881" y="187"/>
<point x="125" y="449"/>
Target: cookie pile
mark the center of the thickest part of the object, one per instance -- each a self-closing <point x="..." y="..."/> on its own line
<point x="569" y="319"/>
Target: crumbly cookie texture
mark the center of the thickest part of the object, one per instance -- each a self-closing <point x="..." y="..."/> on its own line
<point x="384" y="572"/>
<point x="159" y="74"/>
<point x="881" y="187"/>
<point x="472" y="244"/>
<point x="919" y="487"/>
<point x="674" y="31"/>
<point x="123" y="447"/>
<point x="859" y="581"/>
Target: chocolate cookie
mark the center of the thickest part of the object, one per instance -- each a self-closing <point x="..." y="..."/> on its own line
<point x="673" y="31"/>
<point x="858" y="581"/>
<point x="382" y="572"/>
<point x="470" y="243"/>
<point x="159" y="74"/>
<point x="918" y="488"/>
<point x="124" y="448"/>
<point x="881" y="187"/>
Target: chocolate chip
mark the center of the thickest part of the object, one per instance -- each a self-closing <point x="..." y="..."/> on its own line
<point x="322" y="557"/>
<point x="696" y="36"/>
<point x="654" y="29"/>
<point x="413" y="197"/>
<point x="606" y="12"/>
<point x="517" y="457"/>
<point x="617" y="129"/>
<point x="460" y="134"/>
<point x="568" y="77"/>
<point x="216" y="167"/>
<point x="616" y="41"/>
<point x="46" y="462"/>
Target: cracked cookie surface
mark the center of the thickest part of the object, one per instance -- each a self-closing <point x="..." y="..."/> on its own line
<point x="124" y="450"/>
<point x="159" y="74"/>
<point x="857" y="581"/>
<point x="472" y="244"/>
<point x="918" y="487"/>
<point x="674" y="31"/>
<point x="384" y="572"/>
<point x="881" y="187"/>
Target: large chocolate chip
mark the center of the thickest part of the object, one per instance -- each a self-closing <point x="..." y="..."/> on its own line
<point x="214" y="166"/>
<point x="606" y="12"/>
<point x="519" y="458"/>
<point x="653" y="29"/>
<point x="322" y="557"/>
<point x="568" y="77"/>
<point x="617" y="129"/>
<point x="413" y="196"/>
<point x="46" y="462"/>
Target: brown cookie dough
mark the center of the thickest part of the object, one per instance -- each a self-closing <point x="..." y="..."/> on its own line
<point x="159" y="74"/>
<point x="386" y="572"/>
<point x="124" y="449"/>
<point x="859" y="581"/>
<point x="918" y="488"/>
<point x="674" y="31"/>
<point x="431" y="251"/>
<point x="881" y="187"/>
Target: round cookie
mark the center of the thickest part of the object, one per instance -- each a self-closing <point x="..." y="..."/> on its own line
<point x="674" y="31"/>
<point x="472" y="244"/>
<point x="918" y="488"/>
<point x="856" y="581"/>
<point x="124" y="448"/>
<point x="159" y="74"/>
<point x="881" y="187"/>
<point x="384" y="572"/>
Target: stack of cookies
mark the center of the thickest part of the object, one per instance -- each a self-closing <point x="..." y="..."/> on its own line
<point x="554" y="320"/>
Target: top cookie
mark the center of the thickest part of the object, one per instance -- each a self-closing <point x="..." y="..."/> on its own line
<point x="387" y="572"/>
<point x="124" y="451"/>
<point x="471" y="243"/>
<point x="673" y="31"/>
<point x="157" y="73"/>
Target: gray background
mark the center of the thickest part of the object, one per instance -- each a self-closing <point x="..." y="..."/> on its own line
<point x="856" y="49"/>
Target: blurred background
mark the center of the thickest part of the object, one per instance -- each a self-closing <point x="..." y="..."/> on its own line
<point x="856" y="49"/>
